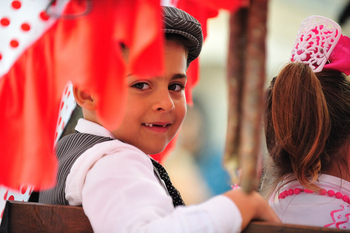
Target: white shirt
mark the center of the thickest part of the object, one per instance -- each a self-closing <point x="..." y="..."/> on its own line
<point x="116" y="185"/>
<point x="315" y="209"/>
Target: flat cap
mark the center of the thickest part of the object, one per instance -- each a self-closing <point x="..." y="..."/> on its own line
<point x="179" y="22"/>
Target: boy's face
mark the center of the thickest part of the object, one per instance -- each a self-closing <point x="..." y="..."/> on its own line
<point x="156" y="106"/>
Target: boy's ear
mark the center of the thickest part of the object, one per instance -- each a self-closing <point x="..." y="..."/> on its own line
<point x="84" y="99"/>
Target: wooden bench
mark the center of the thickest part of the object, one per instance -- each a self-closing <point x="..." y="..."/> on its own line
<point x="34" y="217"/>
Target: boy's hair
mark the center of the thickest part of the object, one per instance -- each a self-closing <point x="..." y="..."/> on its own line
<point x="307" y="124"/>
<point x="180" y="40"/>
<point x="183" y="28"/>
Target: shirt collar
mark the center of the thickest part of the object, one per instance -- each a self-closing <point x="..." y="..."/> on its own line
<point x="85" y="126"/>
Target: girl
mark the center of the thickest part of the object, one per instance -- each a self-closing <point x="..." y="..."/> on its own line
<point x="307" y="125"/>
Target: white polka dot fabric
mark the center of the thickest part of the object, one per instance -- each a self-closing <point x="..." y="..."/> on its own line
<point x="21" y="24"/>
<point x="13" y="195"/>
<point x="67" y="107"/>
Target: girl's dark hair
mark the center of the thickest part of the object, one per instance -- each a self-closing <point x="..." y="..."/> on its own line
<point x="307" y="125"/>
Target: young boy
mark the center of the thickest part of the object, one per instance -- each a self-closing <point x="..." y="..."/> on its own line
<point x="110" y="173"/>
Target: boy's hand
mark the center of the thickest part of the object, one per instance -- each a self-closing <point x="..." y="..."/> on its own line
<point x="252" y="206"/>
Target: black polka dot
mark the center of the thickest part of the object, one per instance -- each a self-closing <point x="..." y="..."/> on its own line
<point x="175" y="195"/>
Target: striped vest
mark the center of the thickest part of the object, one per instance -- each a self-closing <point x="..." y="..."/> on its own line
<point x="68" y="150"/>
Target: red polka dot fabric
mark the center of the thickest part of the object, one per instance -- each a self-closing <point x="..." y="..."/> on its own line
<point x="22" y="22"/>
<point x="67" y="107"/>
<point x="16" y="5"/>
<point x="22" y="194"/>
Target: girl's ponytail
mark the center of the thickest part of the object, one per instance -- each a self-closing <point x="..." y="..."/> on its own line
<point x="300" y="122"/>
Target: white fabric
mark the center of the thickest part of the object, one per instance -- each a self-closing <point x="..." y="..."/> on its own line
<point x="119" y="191"/>
<point x="84" y="126"/>
<point x="314" y="209"/>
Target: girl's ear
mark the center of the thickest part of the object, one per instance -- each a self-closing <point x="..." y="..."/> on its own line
<point x="84" y="99"/>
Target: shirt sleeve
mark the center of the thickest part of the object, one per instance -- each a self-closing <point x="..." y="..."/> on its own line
<point x="120" y="193"/>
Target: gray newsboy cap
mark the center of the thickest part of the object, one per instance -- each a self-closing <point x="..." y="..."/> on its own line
<point x="179" y="22"/>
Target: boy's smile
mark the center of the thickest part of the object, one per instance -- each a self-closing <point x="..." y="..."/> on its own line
<point x="156" y="106"/>
<point x="158" y="126"/>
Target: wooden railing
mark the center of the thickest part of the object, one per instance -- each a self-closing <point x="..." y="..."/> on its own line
<point x="34" y="217"/>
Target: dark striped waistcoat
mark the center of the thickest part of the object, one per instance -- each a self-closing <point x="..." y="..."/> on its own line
<point x="68" y="150"/>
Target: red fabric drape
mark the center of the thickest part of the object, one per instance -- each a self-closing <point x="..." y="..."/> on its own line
<point x="202" y="14"/>
<point x="231" y="5"/>
<point x="86" y="51"/>
<point x="30" y="107"/>
<point x="202" y="11"/>
<point x="100" y="67"/>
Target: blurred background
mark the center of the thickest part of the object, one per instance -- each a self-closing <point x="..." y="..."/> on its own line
<point x="195" y="166"/>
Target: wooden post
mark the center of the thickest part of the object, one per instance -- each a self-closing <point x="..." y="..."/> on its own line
<point x="246" y="79"/>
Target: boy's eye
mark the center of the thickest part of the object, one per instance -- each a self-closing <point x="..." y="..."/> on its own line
<point x="142" y="86"/>
<point x="176" y="87"/>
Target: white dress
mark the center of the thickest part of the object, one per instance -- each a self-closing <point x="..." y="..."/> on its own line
<point x="314" y="209"/>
